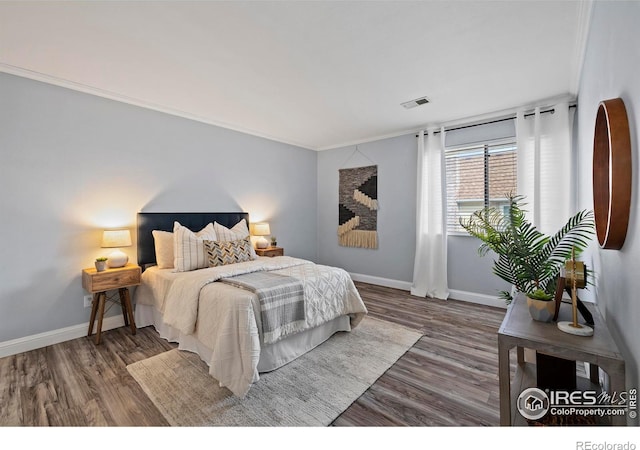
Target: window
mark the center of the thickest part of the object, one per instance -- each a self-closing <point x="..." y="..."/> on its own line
<point x="478" y="176"/>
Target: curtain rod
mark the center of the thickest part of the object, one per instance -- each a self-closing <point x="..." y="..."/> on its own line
<point x="511" y="117"/>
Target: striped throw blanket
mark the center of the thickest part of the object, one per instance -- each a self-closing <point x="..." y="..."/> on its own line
<point x="281" y="302"/>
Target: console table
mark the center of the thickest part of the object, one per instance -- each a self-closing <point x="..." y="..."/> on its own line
<point x="519" y="330"/>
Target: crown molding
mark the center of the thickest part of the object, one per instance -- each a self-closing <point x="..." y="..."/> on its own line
<point x="91" y="90"/>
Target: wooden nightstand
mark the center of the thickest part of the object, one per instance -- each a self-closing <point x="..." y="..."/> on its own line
<point x="271" y="251"/>
<point x="98" y="283"/>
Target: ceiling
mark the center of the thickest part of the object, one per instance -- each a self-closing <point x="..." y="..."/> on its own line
<point x="318" y="75"/>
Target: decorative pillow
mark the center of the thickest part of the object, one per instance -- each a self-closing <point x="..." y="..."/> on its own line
<point x="221" y="253"/>
<point x="188" y="247"/>
<point x="163" y="241"/>
<point x="239" y="231"/>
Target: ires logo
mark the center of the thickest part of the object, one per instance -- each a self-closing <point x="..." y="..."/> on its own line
<point x="533" y="403"/>
<point x="587" y="398"/>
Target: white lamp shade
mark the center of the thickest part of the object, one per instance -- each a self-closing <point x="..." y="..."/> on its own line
<point x="261" y="229"/>
<point x="116" y="238"/>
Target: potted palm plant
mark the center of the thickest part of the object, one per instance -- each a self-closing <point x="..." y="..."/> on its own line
<point x="528" y="259"/>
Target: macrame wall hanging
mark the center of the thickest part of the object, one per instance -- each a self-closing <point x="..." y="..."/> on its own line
<point x="358" y="207"/>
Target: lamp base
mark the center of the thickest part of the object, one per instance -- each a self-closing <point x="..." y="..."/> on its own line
<point x="117" y="258"/>
<point x="580" y="330"/>
<point x="261" y="242"/>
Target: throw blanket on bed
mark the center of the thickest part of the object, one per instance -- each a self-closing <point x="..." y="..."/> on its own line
<point x="181" y="301"/>
<point x="281" y="302"/>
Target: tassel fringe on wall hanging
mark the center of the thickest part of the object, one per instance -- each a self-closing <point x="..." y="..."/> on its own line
<point x="358" y="207"/>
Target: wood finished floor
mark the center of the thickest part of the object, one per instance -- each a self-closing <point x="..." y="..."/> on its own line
<point x="448" y="378"/>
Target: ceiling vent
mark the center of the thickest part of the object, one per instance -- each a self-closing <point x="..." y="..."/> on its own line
<point x="416" y="102"/>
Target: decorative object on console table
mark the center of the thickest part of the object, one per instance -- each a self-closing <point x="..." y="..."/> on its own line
<point x="565" y="285"/>
<point x="271" y="251"/>
<point x="574" y="275"/>
<point x="116" y="239"/>
<point x="274" y="241"/>
<point x="98" y="283"/>
<point x="612" y="165"/>
<point x="541" y="306"/>
<point x="261" y="229"/>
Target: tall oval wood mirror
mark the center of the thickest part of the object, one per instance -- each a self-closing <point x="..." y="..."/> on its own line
<point x="611" y="173"/>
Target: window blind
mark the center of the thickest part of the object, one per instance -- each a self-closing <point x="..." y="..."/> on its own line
<point x="479" y="176"/>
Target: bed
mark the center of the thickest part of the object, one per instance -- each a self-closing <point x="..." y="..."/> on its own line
<point x="212" y="312"/>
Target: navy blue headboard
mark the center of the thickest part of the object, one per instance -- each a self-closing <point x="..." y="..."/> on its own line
<point x="147" y="222"/>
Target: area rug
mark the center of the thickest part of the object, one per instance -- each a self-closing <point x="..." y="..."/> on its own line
<point x="310" y="391"/>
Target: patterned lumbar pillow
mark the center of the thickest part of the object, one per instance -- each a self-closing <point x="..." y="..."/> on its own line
<point x="230" y="252"/>
<point x="239" y="231"/>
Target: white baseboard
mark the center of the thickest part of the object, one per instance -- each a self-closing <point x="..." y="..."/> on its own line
<point x="40" y="340"/>
<point x="378" y="281"/>
<point x="465" y="296"/>
<point x="481" y="299"/>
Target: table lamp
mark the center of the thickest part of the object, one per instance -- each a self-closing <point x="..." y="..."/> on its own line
<point x="575" y="276"/>
<point x="116" y="239"/>
<point x="261" y="229"/>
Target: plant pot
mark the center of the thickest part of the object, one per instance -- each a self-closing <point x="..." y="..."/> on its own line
<point x="101" y="266"/>
<point x="541" y="310"/>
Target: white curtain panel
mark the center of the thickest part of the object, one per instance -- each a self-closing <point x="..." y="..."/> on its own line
<point x="545" y="167"/>
<point x="430" y="267"/>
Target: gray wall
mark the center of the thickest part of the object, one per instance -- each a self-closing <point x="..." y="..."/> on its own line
<point x="73" y="164"/>
<point x="396" y="159"/>
<point x="611" y="68"/>
<point x="469" y="272"/>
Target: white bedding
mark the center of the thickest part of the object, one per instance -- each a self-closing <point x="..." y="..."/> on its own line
<point x="226" y="319"/>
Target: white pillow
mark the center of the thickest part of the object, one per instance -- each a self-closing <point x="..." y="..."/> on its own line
<point x="188" y="247"/>
<point x="163" y="241"/>
<point x="239" y="231"/>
